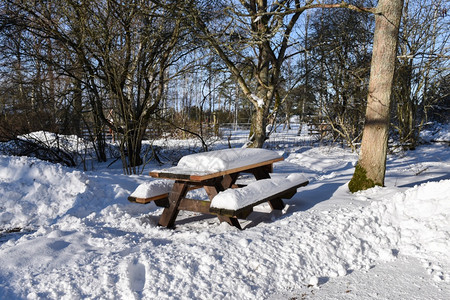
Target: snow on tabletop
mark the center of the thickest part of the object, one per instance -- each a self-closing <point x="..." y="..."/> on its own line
<point x="234" y="199"/>
<point x="220" y="160"/>
<point x="152" y="189"/>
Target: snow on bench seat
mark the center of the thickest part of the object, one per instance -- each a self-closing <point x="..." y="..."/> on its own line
<point x="151" y="191"/>
<point x="231" y="201"/>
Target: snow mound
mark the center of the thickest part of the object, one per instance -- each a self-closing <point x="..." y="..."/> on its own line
<point x="35" y="192"/>
<point x="234" y="199"/>
<point x="153" y="188"/>
<point x="421" y="217"/>
<point x="66" y="142"/>
<point x="437" y="132"/>
<point x="220" y="160"/>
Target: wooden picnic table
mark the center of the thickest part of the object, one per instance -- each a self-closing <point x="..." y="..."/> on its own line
<point x="213" y="179"/>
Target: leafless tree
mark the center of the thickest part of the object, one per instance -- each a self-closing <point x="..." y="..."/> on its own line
<point x="371" y="167"/>
<point x="421" y="64"/>
<point x="253" y="36"/>
<point x="119" y="53"/>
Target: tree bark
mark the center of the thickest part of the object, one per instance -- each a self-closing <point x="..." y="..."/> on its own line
<point x="371" y="167"/>
<point x="258" y="128"/>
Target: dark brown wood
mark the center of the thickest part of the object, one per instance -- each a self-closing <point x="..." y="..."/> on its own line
<point x="243" y="211"/>
<point x="277" y="203"/>
<point x="211" y="191"/>
<point x="261" y="173"/>
<point x="195" y="205"/>
<point x="162" y="202"/>
<point x="170" y="213"/>
<point x="148" y="200"/>
<point x="169" y="175"/>
<point x="213" y="187"/>
<point x="228" y="180"/>
<point x="166" y="174"/>
<point x="233" y="221"/>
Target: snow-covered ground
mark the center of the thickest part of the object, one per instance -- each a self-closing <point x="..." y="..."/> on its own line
<point x="69" y="234"/>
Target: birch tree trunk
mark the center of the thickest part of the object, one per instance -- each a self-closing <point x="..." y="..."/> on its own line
<point x="371" y="167"/>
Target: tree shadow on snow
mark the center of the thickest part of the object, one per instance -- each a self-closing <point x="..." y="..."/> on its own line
<point x="306" y="199"/>
<point x="414" y="183"/>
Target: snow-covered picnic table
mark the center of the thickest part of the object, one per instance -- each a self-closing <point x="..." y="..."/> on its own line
<point x="217" y="172"/>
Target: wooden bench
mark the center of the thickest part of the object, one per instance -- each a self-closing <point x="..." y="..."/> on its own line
<point x="155" y="190"/>
<point x="161" y="200"/>
<point x="273" y="197"/>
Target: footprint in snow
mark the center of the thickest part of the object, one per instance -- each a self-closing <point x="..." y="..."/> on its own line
<point x="136" y="276"/>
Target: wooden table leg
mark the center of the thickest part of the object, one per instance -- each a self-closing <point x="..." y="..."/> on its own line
<point x="212" y="191"/>
<point x="230" y="220"/>
<point x="170" y="213"/>
<point x="277" y="203"/>
<point x="228" y="180"/>
<point x="264" y="173"/>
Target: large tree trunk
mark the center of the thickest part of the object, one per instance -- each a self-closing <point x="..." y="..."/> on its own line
<point x="258" y="129"/>
<point x="134" y="146"/>
<point x="371" y="167"/>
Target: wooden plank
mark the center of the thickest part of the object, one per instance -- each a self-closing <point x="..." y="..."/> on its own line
<point x="244" y="210"/>
<point x="158" y="197"/>
<point x="261" y="173"/>
<point x="162" y="202"/>
<point x="211" y="191"/>
<point x="228" y="180"/>
<point x="168" y="175"/>
<point x="276" y="203"/>
<point x="291" y="194"/>
<point x="170" y="213"/>
<point x="230" y="220"/>
<point x="147" y="200"/>
<point x="235" y="170"/>
<point x="200" y="206"/>
<point x="194" y="177"/>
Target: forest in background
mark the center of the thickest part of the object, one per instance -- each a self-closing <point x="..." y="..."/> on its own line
<point x="147" y="69"/>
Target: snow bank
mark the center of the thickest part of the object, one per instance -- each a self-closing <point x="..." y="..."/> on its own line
<point x="34" y="192"/>
<point x="421" y="219"/>
<point x="49" y="139"/>
<point x="437" y="132"/>
<point x="216" y="161"/>
<point x="234" y="199"/>
<point x="153" y="188"/>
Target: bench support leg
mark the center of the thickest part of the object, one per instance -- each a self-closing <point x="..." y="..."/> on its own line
<point x="212" y="191"/>
<point x="230" y="220"/>
<point x="277" y="204"/>
<point x="170" y="213"/>
<point x="262" y="173"/>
